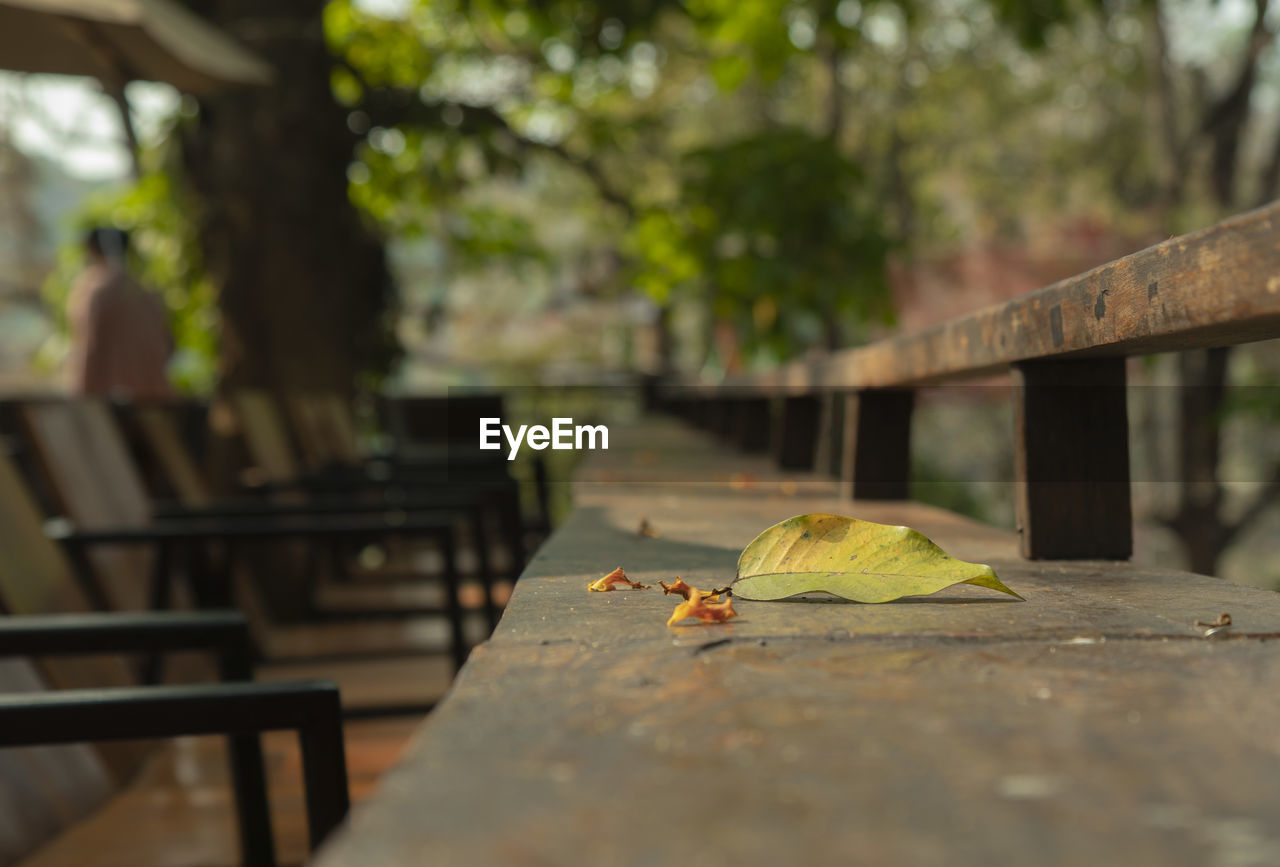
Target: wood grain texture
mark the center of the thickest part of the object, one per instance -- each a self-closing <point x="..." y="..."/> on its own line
<point x="1092" y="724"/>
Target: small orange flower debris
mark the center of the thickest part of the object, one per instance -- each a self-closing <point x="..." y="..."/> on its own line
<point x="703" y="609"/>
<point x="646" y="530"/>
<point x="610" y="582"/>
<point x="682" y="589"/>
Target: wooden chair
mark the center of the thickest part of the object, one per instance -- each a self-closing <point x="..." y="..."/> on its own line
<point x="385" y="663"/>
<point x="325" y="431"/>
<point x="426" y="426"/>
<point x="156" y="427"/>
<point x="75" y="650"/>
<point x="110" y="792"/>
<point x="333" y="464"/>
<point x="31" y="715"/>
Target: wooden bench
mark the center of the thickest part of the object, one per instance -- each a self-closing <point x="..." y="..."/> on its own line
<point x="1098" y="722"/>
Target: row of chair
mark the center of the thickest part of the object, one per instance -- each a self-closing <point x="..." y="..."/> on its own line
<point x="298" y="534"/>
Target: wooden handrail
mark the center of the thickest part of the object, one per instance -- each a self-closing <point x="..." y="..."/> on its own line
<point x="1216" y="287"/>
<point x="1066" y="344"/>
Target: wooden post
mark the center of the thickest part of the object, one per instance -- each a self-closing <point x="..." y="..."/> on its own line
<point x="830" y="457"/>
<point x="795" y="432"/>
<point x="704" y="411"/>
<point x="726" y="415"/>
<point x="877" y="444"/>
<point x="1071" y="440"/>
<point x="754" y="424"/>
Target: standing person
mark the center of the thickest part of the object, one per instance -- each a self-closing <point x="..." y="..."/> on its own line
<point x="120" y="337"/>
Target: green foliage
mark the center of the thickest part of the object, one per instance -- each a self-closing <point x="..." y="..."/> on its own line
<point x="779" y="231"/>
<point x="708" y="128"/>
<point x="164" y="256"/>
<point x="1031" y="20"/>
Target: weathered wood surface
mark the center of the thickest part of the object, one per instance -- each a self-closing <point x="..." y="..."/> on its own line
<point x="1216" y="287"/>
<point x="1092" y="724"/>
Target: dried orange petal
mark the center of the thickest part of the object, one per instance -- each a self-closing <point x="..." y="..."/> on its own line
<point x="609" y="582"/>
<point x="703" y="609"/>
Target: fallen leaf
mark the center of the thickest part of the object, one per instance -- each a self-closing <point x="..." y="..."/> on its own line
<point x="682" y="589"/>
<point x="610" y="582"/>
<point x="853" y="559"/>
<point x="646" y="530"/>
<point x="702" y="608"/>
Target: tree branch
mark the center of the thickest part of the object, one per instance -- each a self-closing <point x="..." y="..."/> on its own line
<point x="1225" y="120"/>
<point x="1268" y="495"/>
<point x="1175" y="146"/>
<point x="393" y="107"/>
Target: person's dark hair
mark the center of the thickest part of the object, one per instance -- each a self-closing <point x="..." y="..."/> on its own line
<point x="107" y="242"/>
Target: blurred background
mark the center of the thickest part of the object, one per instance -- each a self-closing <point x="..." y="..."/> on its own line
<point x="499" y="194"/>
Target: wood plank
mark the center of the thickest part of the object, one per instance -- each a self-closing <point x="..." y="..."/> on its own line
<point x="907" y="754"/>
<point x="263" y="428"/>
<point x="35" y="578"/>
<point x="1093" y="723"/>
<point x="158" y="428"/>
<point x="91" y="472"/>
<point x="1071" y="449"/>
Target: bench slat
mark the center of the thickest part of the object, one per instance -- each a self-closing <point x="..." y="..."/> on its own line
<point x="1091" y="724"/>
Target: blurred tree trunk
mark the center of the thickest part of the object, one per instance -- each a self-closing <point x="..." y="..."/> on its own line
<point x="303" y="285"/>
<point x="1197" y="518"/>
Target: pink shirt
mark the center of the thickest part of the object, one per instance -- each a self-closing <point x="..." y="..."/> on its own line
<point x="120" y="339"/>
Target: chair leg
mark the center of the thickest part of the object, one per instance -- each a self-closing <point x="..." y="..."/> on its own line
<point x="253" y="809"/>
<point x="480" y="540"/>
<point x="161" y="598"/>
<point x="453" y="603"/>
<point x="324" y="768"/>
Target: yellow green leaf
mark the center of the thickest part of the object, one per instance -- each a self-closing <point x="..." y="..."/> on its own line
<point x="854" y="559"/>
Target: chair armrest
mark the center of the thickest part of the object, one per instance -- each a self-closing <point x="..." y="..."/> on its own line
<point x="285" y="526"/>
<point x="311" y="708"/>
<point x="225" y="632"/>
<point x="448" y="499"/>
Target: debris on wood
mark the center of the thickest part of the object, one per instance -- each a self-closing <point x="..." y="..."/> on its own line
<point x="646" y="530"/>
<point x="609" y="582"/>
<point x="1224" y="619"/>
<point x="706" y="609"/>
<point x="682" y="589"/>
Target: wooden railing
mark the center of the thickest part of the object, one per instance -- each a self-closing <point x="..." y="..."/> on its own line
<point x="1066" y="345"/>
